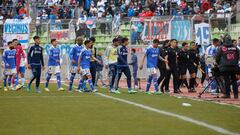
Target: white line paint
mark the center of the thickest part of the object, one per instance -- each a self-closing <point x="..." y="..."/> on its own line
<point x="188" y="119"/>
<point x="184" y="118"/>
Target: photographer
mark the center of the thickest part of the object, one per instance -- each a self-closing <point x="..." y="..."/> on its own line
<point x="227" y="60"/>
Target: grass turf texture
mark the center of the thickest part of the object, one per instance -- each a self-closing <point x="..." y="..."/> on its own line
<point x="63" y="113"/>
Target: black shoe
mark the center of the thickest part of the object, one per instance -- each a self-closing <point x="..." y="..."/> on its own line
<point x="179" y="91"/>
<point x="167" y="91"/>
<point x="176" y="92"/>
<point x="225" y="96"/>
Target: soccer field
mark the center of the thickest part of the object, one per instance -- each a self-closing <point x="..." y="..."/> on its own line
<point x="102" y="113"/>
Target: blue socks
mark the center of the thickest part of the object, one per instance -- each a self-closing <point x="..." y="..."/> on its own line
<point x="149" y="81"/>
<point x="15" y="80"/>
<point x="71" y="81"/>
<point x="91" y="84"/>
<point x="47" y="80"/>
<point x="9" y="80"/>
<point x="59" y="80"/>
<point x="155" y="82"/>
<point x="5" y="81"/>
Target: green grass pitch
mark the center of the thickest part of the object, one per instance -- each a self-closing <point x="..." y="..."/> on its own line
<point x="64" y="113"/>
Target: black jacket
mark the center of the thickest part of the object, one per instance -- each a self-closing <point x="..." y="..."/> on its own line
<point x="227" y="58"/>
<point x="162" y="53"/>
<point x="35" y="56"/>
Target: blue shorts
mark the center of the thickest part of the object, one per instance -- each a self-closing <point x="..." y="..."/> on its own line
<point x="22" y="69"/>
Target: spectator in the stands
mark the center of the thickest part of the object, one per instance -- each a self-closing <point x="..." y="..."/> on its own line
<point x="100" y="7"/>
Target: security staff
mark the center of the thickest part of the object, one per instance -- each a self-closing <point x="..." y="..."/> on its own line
<point x="183" y="62"/>
<point x="173" y="67"/>
<point x="194" y="59"/>
<point x="162" y="66"/>
<point x="227" y="58"/>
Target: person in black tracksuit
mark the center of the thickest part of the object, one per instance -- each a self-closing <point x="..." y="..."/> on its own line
<point x="162" y="65"/>
<point x="172" y="52"/>
<point x="227" y="58"/>
<point x="194" y="60"/>
<point x="35" y="62"/>
<point x="92" y="61"/>
<point x="183" y="62"/>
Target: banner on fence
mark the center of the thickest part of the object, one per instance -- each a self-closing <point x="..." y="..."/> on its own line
<point x="155" y="29"/>
<point x="63" y="35"/>
<point x="17" y="29"/>
<point x="202" y="33"/>
<point x="181" y="30"/>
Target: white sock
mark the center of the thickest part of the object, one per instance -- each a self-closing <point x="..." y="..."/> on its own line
<point x="23" y="81"/>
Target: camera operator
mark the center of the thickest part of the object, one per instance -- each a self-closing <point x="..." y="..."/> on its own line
<point x="227" y="58"/>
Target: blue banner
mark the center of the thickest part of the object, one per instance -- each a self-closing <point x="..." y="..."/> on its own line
<point x="181" y="30"/>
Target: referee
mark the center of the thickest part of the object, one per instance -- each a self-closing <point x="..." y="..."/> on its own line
<point x="35" y="63"/>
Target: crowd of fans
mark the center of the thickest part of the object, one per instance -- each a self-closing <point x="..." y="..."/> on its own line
<point x="69" y="9"/>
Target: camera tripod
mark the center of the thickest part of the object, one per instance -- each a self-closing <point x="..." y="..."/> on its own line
<point x="219" y="83"/>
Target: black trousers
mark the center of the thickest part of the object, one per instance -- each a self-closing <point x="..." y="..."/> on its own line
<point x="93" y="71"/>
<point x="163" y="72"/>
<point x="230" y="79"/>
<point x="36" y="71"/>
<point x="203" y="67"/>
<point x="174" y="73"/>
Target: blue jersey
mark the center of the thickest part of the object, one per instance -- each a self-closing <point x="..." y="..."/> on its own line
<point x="152" y="57"/>
<point x="75" y="53"/>
<point x="85" y="58"/>
<point x="122" y="56"/>
<point x="54" y="56"/>
<point x="9" y="57"/>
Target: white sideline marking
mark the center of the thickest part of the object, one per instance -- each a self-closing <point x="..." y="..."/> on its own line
<point x="184" y="118"/>
<point x="188" y="119"/>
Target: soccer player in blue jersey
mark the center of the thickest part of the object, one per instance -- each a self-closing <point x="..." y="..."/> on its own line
<point x="122" y="66"/>
<point x="54" y="66"/>
<point x="9" y="59"/>
<point x="74" y="55"/>
<point x="84" y="64"/>
<point x="152" y="53"/>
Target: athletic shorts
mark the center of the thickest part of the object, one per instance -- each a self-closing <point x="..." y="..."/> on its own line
<point x="85" y="71"/>
<point x="192" y="69"/>
<point x="183" y="70"/>
<point x="22" y="69"/>
<point x="54" y="70"/>
<point x="73" y="69"/>
<point x="8" y="71"/>
<point x="152" y="70"/>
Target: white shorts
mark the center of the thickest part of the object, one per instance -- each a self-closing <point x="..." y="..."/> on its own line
<point x="73" y="69"/>
<point x="152" y="70"/>
<point x="54" y="69"/>
<point x="8" y="71"/>
<point x="85" y="71"/>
